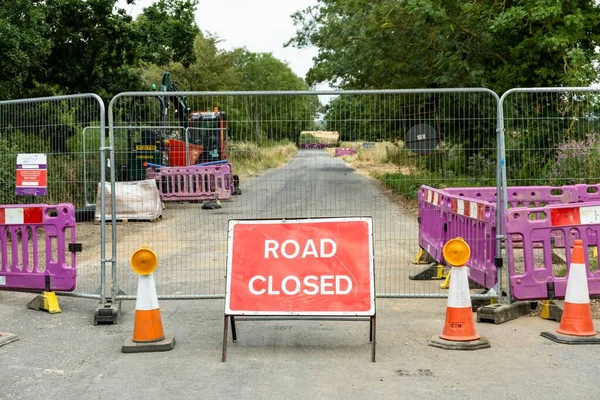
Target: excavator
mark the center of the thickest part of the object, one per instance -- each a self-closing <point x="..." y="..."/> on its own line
<point x="207" y="131"/>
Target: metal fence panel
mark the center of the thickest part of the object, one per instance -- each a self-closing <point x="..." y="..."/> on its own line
<point x="442" y="138"/>
<point x="550" y="145"/>
<point x="67" y="129"/>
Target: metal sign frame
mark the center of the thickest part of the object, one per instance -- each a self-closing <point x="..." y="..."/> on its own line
<point x="232" y="315"/>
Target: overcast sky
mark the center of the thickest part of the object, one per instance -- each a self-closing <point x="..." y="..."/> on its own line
<point x="259" y="25"/>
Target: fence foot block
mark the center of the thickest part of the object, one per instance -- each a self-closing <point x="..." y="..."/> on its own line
<point x="500" y="313"/>
<point x="568" y="339"/>
<point x="168" y="343"/>
<point x="6" y="338"/>
<point x="47" y="301"/>
<point x="476" y="304"/>
<point x="481" y="343"/>
<point x="212" y="205"/>
<point x="107" y="313"/>
<point x="423" y="258"/>
<point x="433" y="272"/>
<point x="551" y="310"/>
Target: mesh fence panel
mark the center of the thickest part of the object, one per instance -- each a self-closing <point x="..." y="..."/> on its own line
<point x="552" y="152"/>
<point x="282" y="145"/>
<point x="552" y="136"/>
<point x="67" y="130"/>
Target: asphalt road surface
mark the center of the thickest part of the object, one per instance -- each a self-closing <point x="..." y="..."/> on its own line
<point x="65" y="356"/>
<point x="191" y="243"/>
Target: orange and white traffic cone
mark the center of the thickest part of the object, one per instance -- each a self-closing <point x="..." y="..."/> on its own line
<point x="459" y="331"/>
<point x="148" y="334"/>
<point x="576" y="326"/>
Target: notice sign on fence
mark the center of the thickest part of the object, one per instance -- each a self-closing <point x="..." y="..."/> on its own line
<point x="300" y="267"/>
<point x="31" y="175"/>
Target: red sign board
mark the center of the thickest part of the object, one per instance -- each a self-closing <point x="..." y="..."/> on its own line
<point x="31" y="174"/>
<point x="300" y="267"/>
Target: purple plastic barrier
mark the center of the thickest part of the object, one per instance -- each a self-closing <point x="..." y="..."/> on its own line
<point x="344" y="151"/>
<point x="33" y="247"/>
<point x="531" y="230"/>
<point x="306" y="146"/>
<point x="520" y="196"/>
<point x="431" y="222"/>
<point x="445" y="216"/>
<point x="475" y="221"/>
<point x="536" y="230"/>
<point x="533" y="196"/>
<point x="193" y="183"/>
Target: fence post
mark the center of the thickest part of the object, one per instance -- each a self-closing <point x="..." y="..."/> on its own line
<point x="501" y="204"/>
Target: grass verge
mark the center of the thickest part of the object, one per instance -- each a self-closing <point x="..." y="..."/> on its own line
<point x="249" y="159"/>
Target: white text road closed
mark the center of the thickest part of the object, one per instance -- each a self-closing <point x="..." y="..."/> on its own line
<point x="291" y="285"/>
<point x="300" y="267"/>
<point x="291" y="249"/>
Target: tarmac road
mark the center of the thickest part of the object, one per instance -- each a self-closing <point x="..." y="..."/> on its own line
<point x="65" y="356"/>
<point x="191" y="243"/>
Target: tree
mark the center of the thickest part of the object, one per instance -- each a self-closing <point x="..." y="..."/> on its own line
<point x="443" y="43"/>
<point x="23" y="44"/>
<point x="55" y="47"/>
<point x="167" y="30"/>
<point x="273" y="117"/>
<point x="92" y="48"/>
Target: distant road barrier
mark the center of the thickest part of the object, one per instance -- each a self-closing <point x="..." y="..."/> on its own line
<point x="193" y="183"/>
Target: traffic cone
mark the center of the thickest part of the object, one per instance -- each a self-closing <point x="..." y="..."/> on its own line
<point x="148" y="334"/>
<point x="576" y="326"/>
<point x="459" y="331"/>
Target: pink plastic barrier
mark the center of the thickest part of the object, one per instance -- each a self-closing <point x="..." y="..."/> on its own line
<point x="533" y="269"/>
<point x="541" y="222"/>
<point x="432" y="220"/>
<point x="34" y="247"/>
<point x="344" y="151"/>
<point x="193" y="183"/>
<point x="312" y="146"/>
<point x="443" y="216"/>
<point x="530" y="196"/>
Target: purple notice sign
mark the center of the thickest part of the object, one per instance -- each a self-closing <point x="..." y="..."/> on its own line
<point x="31" y="175"/>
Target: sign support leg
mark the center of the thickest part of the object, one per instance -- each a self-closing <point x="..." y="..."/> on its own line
<point x="225" y="327"/>
<point x="233" y="331"/>
<point x="373" y="337"/>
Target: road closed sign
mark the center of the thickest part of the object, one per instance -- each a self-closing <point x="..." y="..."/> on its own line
<point x="300" y="267"/>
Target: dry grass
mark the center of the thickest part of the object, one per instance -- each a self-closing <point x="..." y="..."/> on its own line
<point x="323" y="136"/>
<point x="385" y="157"/>
<point x="249" y="159"/>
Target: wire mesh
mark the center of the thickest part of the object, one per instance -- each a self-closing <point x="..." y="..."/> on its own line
<point x="282" y="146"/>
<point x="551" y="138"/>
<point x="67" y="130"/>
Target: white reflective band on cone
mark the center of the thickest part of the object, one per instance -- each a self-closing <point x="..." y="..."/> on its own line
<point x="577" y="287"/>
<point x="146" y="294"/>
<point x="459" y="296"/>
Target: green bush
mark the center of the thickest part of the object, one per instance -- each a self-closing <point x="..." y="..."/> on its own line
<point x="577" y="161"/>
<point x="408" y="185"/>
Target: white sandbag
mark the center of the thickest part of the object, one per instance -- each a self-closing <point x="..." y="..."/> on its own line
<point x="135" y="201"/>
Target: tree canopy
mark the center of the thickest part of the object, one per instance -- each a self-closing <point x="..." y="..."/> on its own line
<point x="451" y="43"/>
